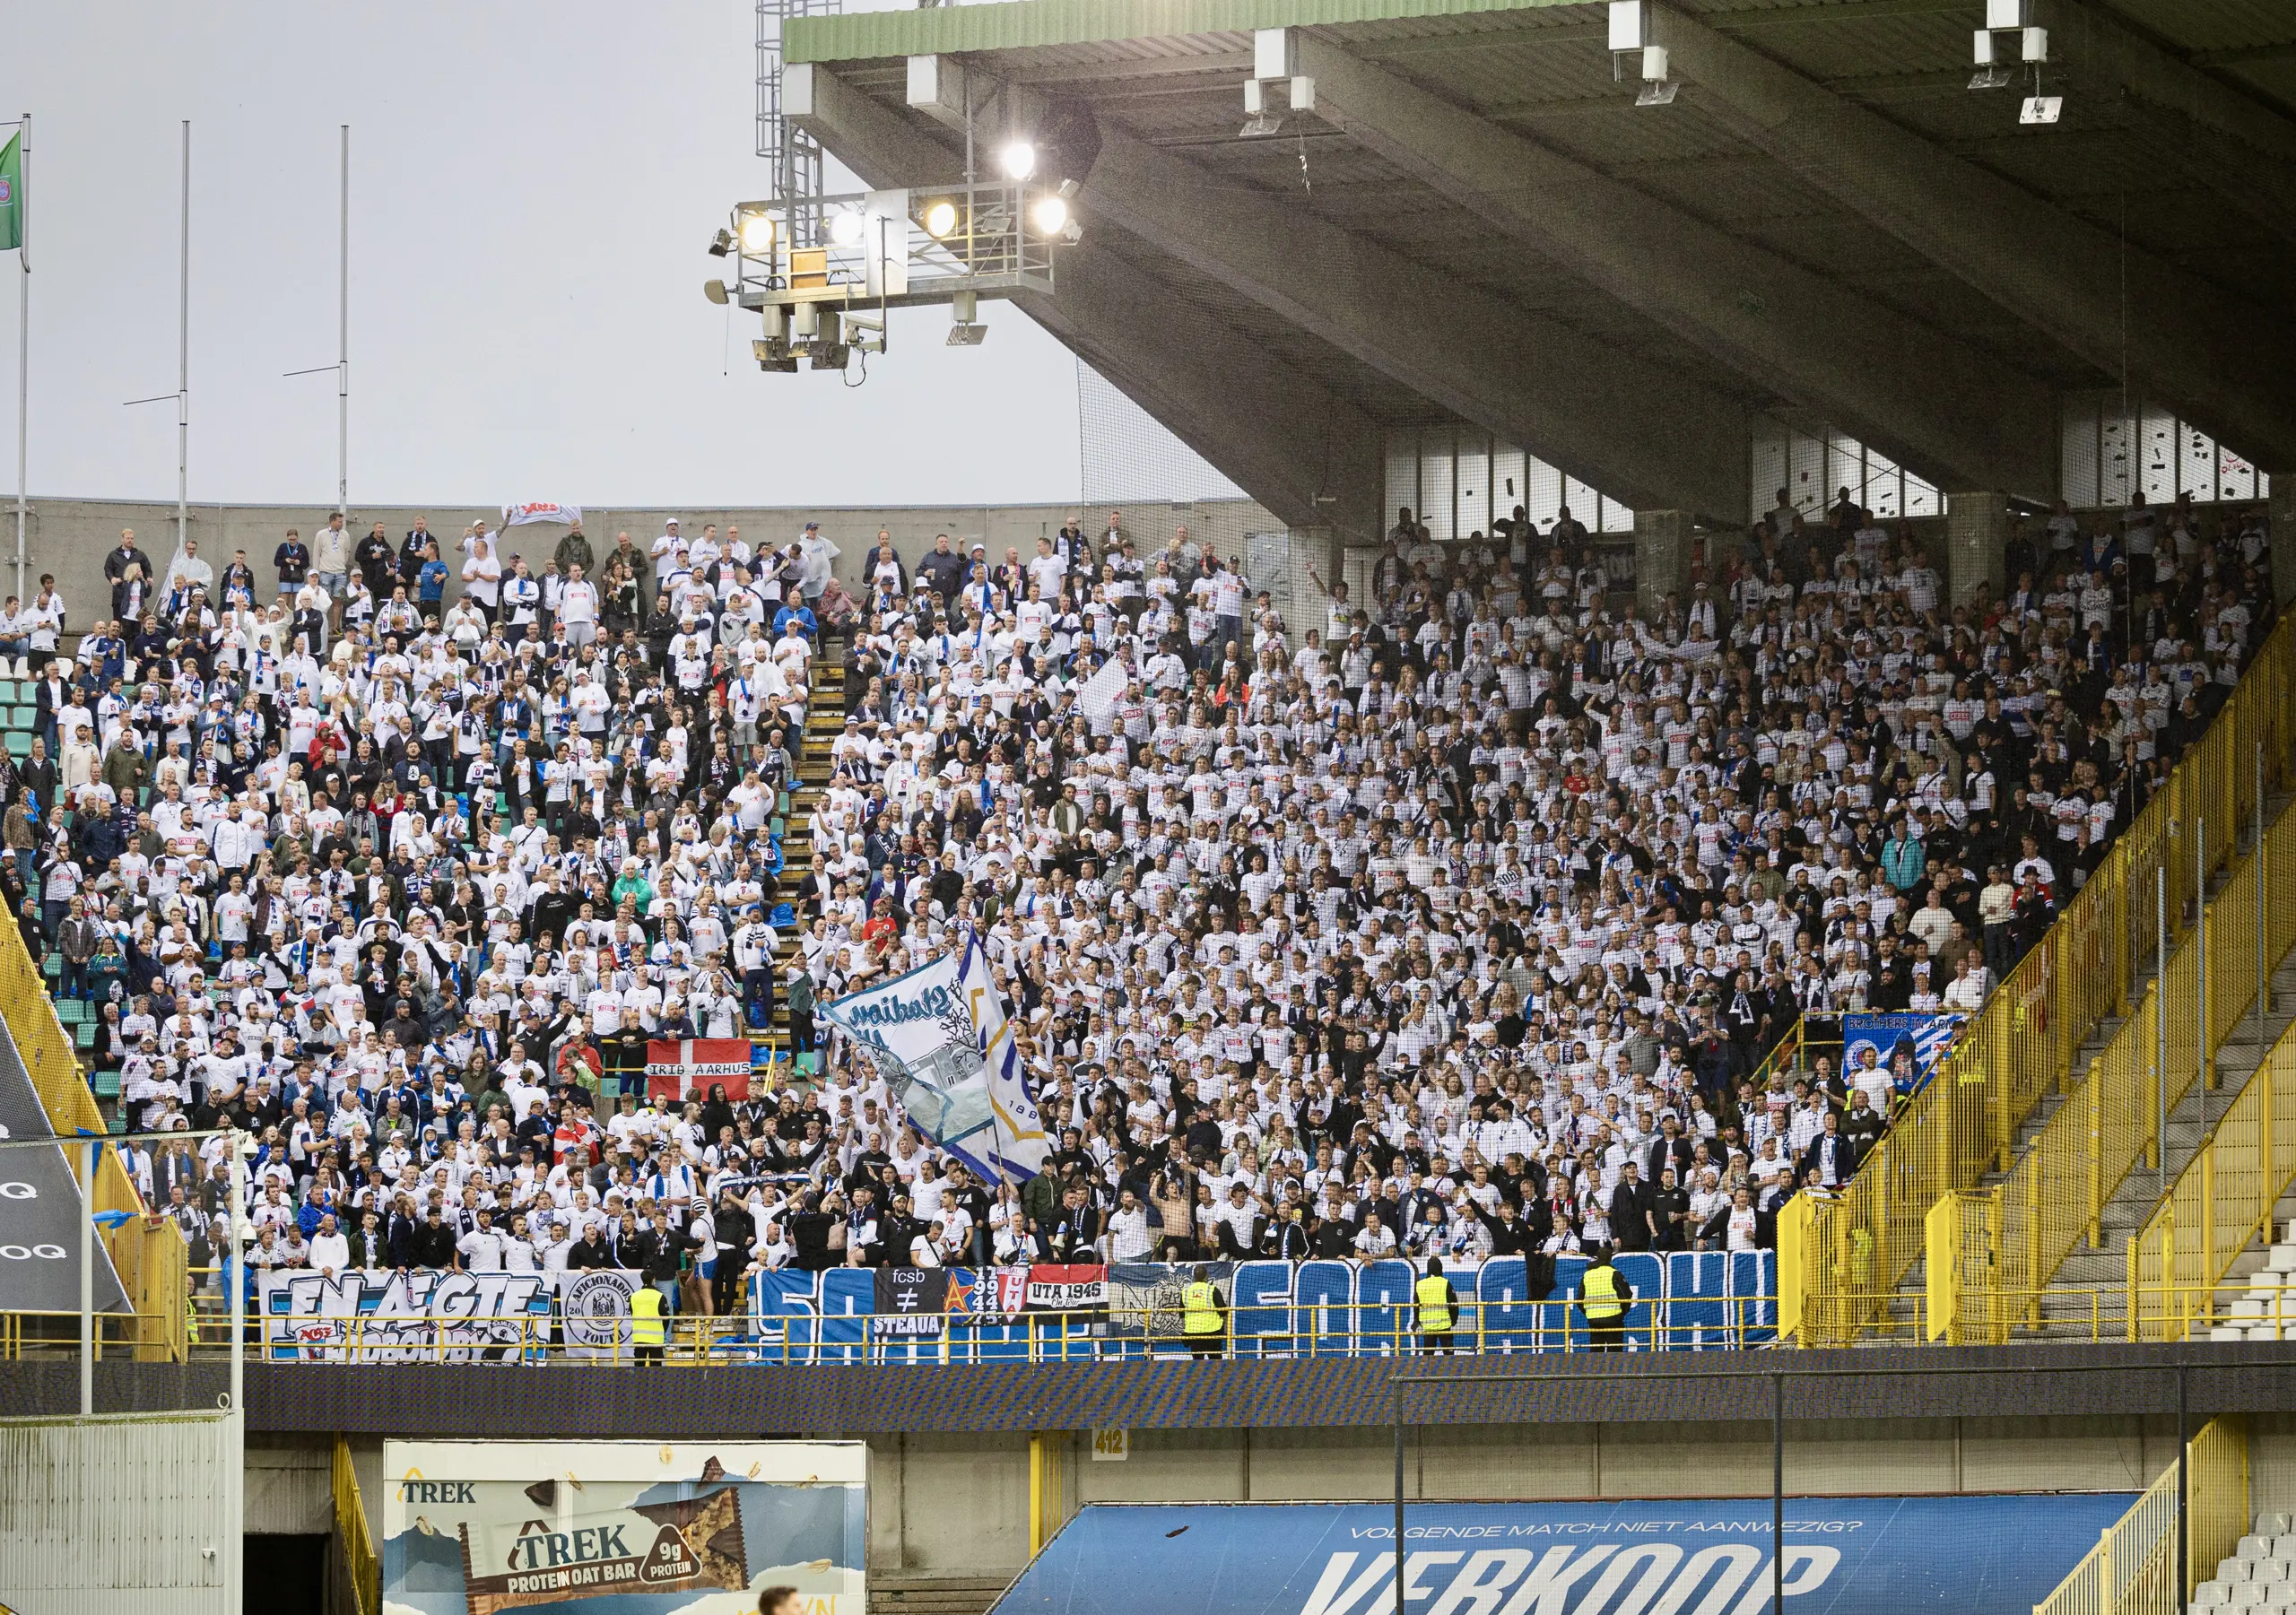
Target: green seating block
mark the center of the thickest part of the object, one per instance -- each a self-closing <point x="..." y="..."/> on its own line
<point x="84" y="1035"/>
<point x="71" y="1010"/>
<point x="53" y="965"/>
<point x="106" y="1083"/>
<point x="19" y="743"/>
<point x="119" y="1121"/>
<point x="8" y="692"/>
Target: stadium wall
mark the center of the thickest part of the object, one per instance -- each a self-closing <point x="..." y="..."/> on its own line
<point x="70" y="537"/>
<point x="958" y="1505"/>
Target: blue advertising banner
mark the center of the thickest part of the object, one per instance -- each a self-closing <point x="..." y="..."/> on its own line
<point x="1844" y="1556"/>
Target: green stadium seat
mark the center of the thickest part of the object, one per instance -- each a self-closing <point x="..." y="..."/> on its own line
<point x="119" y="1121"/>
<point x="8" y="692"/>
<point x="19" y="743"/>
<point x="53" y="965"/>
<point x="72" y="1010"/>
<point x="106" y="1083"/>
<point x="23" y="718"/>
<point x="84" y="1035"/>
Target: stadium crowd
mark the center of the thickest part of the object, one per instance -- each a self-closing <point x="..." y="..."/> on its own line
<point x="1456" y="920"/>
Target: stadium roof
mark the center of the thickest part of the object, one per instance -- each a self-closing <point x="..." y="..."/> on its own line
<point x="1477" y="225"/>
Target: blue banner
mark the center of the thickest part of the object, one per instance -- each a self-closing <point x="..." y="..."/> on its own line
<point x="1908" y="1047"/>
<point x="1844" y="1556"/>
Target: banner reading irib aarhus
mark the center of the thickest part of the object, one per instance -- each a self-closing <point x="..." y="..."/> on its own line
<point x="623" y="1527"/>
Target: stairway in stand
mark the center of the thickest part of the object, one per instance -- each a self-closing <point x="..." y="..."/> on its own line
<point x="824" y="722"/>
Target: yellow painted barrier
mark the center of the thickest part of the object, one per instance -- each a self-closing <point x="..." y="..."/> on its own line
<point x="2054" y="1200"/>
<point x="2021" y="1045"/>
<point x="2133" y="1569"/>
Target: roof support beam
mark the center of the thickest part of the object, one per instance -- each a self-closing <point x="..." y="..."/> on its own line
<point x="2087" y="40"/>
<point x="1625" y="425"/>
<point x="2216" y="358"/>
<point x="1311" y="457"/>
<point x="1957" y="415"/>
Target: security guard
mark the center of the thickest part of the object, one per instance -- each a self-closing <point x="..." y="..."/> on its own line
<point x="1603" y="1295"/>
<point x="648" y="1330"/>
<point x="1204" y="1311"/>
<point x="1438" y="1308"/>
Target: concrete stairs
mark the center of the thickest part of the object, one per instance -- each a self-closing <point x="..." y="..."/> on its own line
<point x="918" y="1592"/>
<point x="824" y="722"/>
<point x="2072" y="1308"/>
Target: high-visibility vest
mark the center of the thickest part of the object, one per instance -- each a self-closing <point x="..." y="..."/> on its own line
<point x="1599" y="1293"/>
<point x="1434" y="1304"/>
<point x="646" y="1325"/>
<point x="1201" y="1303"/>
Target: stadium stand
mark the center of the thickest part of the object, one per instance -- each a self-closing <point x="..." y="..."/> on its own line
<point x="1481" y="919"/>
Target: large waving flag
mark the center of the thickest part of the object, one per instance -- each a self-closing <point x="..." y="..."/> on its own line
<point x="938" y="1036"/>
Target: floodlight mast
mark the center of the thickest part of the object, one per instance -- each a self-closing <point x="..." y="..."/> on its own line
<point x="823" y="271"/>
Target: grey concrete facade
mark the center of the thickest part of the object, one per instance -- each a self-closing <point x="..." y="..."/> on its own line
<point x="1957" y="415"/>
<point x="1976" y="540"/>
<point x="957" y="1506"/>
<point x="1661" y="557"/>
<point x="2221" y="360"/>
<point x="69" y="537"/>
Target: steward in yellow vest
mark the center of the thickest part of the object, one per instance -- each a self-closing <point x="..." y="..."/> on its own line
<point x="1438" y="1308"/>
<point x="648" y="1330"/>
<point x="1203" y="1313"/>
<point x="1603" y="1295"/>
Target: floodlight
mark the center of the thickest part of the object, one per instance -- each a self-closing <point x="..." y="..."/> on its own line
<point x="721" y="243"/>
<point x="2040" y="109"/>
<point x="757" y="234"/>
<point x="940" y="220"/>
<point x="845" y="228"/>
<point x="1657" y="93"/>
<point x="1018" y="159"/>
<point x="968" y="336"/>
<point x="715" y="290"/>
<point x="1050" y="215"/>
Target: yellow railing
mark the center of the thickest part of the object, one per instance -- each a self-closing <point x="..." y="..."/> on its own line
<point x="2020" y="1043"/>
<point x="366" y="1574"/>
<point x="149" y="1257"/>
<point x="2053" y="1202"/>
<point x="2219" y="1202"/>
<point x="2133" y="1569"/>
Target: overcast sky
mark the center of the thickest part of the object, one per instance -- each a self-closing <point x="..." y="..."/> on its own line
<point x="531" y="188"/>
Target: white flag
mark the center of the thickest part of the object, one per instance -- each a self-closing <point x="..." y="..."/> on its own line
<point x="521" y="516"/>
<point x="1097" y="696"/>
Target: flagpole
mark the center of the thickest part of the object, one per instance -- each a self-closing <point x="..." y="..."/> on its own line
<point x="183" y="360"/>
<point x="23" y="338"/>
<point x="343" y="347"/>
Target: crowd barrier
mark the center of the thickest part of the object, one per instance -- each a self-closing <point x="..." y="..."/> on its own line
<point x="2053" y="1202"/>
<point x="2219" y="1202"/>
<point x="2133" y="1569"/>
<point x="1839" y="1255"/>
<point x="1684" y="1300"/>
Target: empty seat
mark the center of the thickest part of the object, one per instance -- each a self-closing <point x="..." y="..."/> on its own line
<point x="2249" y="1595"/>
<point x="2271" y="1525"/>
<point x="2271" y="1569"/>
<point x="2234" y="1569"/>
<point x="2211" y="1595"/>
<point x="2284" y="1545"/>
<point x="2281" y="1259"/>
<point x="2253" y="1546"/>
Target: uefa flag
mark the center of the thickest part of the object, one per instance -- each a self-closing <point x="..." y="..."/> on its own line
<point x="12" y="193"/>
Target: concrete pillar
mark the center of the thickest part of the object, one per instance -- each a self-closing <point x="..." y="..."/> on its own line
<point x="2283" y="538"/>
<point x="1661" y="558"/>
<point x="1976" y="545"/>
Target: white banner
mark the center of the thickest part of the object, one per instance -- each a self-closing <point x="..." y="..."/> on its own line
<point x="1096" y="697"/>
<point x="595" y="1309"/>
<point x="373" y="1316"/>
<point x="521" y="516"/>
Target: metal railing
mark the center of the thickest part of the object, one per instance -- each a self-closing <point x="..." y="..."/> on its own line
<point x="2219" y="1202"/>
<point x="2021" y="1045"/>
<point x="365" y="1571"/>
<point x="1356" y="1329"/>
<point x="2133" y="1569"/>
<point x="2053" y="1201"/>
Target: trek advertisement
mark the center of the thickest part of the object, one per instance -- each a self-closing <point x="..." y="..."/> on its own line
<point x="623" y="1527"/>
